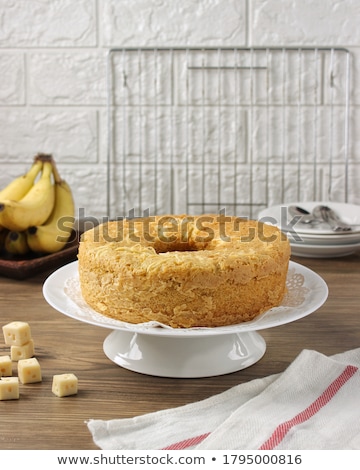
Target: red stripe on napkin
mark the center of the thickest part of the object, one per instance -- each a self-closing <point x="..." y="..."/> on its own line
<point x="192" y="441"/>
<point x="281" y="431"/>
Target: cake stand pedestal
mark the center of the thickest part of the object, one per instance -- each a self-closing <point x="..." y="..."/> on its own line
<point x="182" y="357"/>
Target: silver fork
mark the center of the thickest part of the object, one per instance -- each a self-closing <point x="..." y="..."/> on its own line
<point x="330" y="217"/>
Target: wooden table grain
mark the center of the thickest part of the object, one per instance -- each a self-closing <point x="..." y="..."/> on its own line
<point x="40" y="420"/>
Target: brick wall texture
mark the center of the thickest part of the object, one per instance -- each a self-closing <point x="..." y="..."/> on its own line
<point x="53" y="87"/>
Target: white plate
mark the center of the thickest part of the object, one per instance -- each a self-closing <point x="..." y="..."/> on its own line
<point x="278" y="215"/>
<point x="304" y="238"/>
<point x="323" y="251"/>
<point x="196" y="352"/>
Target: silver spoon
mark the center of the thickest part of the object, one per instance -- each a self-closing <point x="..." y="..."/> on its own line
<point x="306" y="216"/>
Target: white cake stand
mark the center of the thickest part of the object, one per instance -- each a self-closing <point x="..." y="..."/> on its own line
<point x="154" y="349"/>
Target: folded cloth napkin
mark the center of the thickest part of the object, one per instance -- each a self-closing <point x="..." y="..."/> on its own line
<point x="313" y="404"/>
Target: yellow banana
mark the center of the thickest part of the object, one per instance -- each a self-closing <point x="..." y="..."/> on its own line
<point x="17" y="188"/>
<point x="16" y="243"/>
<point x="55" y="233"/>
<point x="34" y="208"/>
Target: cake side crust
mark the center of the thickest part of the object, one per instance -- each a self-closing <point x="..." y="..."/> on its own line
<point x="223" y="280"/>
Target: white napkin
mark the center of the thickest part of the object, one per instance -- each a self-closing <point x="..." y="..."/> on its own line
<point x="313" y="404"/>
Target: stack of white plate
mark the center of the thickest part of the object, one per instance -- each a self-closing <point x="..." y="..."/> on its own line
<point x="317" y="240"/>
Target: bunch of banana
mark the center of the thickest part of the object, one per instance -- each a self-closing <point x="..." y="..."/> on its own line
<point x="36" y="215"/>
<point x="52" y="236"/>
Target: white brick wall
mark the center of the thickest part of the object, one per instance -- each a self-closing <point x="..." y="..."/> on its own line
<point x="53" y="68"/>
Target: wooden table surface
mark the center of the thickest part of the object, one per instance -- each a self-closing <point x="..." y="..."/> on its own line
<point x="40" y="420"/>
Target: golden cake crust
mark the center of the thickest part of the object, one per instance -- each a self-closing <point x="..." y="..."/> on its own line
<point x="183" y="271"/>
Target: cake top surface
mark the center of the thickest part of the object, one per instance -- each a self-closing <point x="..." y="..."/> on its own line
<point x="187" y="233"/>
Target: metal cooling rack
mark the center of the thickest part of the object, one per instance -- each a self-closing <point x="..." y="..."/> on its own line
<point x="199" y="130"/>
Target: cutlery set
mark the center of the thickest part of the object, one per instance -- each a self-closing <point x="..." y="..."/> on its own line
<point x="320" y="214"/>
